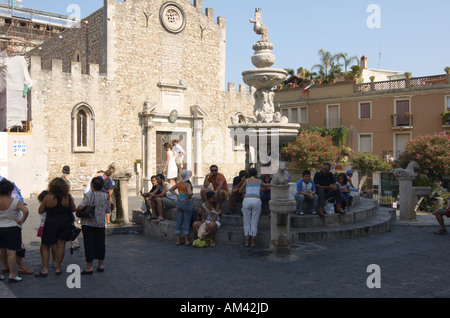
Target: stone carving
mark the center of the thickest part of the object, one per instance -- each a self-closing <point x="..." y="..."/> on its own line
<point x="259" y="28"/>
<point x="407" y="173"/>
<point x="264" y="78"/>
<point x="280" y="178"/>
<point x="280" y="119"/>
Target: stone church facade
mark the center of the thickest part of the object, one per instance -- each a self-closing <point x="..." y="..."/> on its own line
<point x="132" y="76"/>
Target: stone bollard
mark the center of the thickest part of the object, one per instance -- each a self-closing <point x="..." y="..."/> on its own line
<point x="121" y="200"/>
<point x="281" y="206"/>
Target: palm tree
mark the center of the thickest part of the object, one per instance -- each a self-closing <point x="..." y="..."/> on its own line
<point x="347" y="59"/>
<point x="329" y="64"/>
<point x="326" y="58"/>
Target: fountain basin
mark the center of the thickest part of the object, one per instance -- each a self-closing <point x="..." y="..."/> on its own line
<point x="285" y="132"/>
<point x="264" y="78"/>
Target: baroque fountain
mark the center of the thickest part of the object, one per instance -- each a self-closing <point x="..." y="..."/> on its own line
<point x="268" y="131"/>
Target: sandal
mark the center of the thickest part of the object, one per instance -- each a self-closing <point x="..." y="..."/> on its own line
<point x="441" y="232"/>
<point x="26" y="271"/>
<point x="16" y="279"/>
<point x="40" y="274"/>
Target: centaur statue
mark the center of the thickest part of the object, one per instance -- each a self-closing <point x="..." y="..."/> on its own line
<point x="259" y="27"/>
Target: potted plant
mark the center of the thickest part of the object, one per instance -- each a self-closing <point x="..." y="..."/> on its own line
<point x="408" y="114"/>
<point x="393" y="115"/>
<point x="372" y="78"/>
<point x="387" y="201"/>
<point x="445" y="115"/>
<point x="408" y="75"/>
<point x="447" y="70"/>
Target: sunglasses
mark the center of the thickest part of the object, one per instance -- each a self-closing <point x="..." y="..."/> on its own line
<point x="215" y="170"/>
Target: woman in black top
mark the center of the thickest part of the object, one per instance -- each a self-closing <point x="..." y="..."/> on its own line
<point x="59" y="206"/>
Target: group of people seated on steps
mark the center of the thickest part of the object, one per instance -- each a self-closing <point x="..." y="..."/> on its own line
<point x="323" y="189"/>
<point x="247" y="188"/>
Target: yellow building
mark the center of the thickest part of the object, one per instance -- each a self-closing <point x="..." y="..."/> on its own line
<point x="382" y="116"/>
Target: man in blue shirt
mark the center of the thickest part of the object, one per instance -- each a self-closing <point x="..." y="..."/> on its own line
<point x="326" y="188"/>
<point x="306" y="190"/>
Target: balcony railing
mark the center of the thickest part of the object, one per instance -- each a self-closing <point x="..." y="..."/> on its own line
<point x="403" y="83"/>
<point x="402" y="122"/>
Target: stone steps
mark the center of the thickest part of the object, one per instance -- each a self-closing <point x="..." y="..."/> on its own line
<point x="364" y="219"/>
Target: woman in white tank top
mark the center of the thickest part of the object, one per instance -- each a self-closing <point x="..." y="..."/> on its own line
<point x="251" y="206"/>
<point x="10" y="226"/>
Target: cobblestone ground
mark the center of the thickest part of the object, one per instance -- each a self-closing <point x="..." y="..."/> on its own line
<point x="412" y="263"/>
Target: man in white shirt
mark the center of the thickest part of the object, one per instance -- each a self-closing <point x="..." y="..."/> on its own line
<point x="179" y="153"/>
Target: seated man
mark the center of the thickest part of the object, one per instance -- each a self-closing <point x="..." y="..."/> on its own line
<point x="306" y="190"/>
<point x="326" y="188"/>
<point x="148" y="195"/>
<point x="219" y="183"/>
<point x="163" y="199"/>
<point x="235" y="196"/>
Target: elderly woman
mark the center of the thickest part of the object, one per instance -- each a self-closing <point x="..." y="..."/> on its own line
<point x="94" y="228"/>
<point x="10" y="226"/>
<point x="59" y="206"/>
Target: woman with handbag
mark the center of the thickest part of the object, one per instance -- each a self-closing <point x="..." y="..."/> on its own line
<point x="59" y="206"/>
<point x="92" y="211"/>
<point x="10" y="227"/>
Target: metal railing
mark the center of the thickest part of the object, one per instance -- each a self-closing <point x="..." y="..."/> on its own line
<point x="402" y="83"/>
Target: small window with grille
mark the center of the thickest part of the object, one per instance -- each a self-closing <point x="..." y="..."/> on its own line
<point x="83" y="124"/>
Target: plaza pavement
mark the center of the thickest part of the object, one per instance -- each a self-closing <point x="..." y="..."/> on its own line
<point x="413" y="263"/>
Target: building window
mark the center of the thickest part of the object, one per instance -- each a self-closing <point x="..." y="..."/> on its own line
<point x="365" y="110"/>
<point x="81" y="129"/>
<point x="400" y="142"/>
<point x="447" y="103"/>
<point x="365" y="143"/>
<point x="296" y="115"/>
<point x="333" y="116"/>
<point x="303" y="115"/>
<point x="402" y="110"/>
<point x="83" y="125"/>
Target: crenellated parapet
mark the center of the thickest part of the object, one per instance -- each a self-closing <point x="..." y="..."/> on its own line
<point x="57" y="70"/>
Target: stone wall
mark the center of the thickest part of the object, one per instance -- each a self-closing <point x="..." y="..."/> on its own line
<point x="142" y="60"/>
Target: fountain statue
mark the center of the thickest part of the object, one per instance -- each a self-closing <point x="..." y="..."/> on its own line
<point x="264" y="78"/>
<point x="269" y="128"/>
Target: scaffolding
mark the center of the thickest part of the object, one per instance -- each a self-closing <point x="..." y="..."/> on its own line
<point x="22" y="29"/>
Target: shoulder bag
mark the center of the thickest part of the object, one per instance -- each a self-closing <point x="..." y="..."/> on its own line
<point x="89" y="210"/>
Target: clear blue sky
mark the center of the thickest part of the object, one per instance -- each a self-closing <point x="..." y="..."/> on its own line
<point x="412" y="34"/>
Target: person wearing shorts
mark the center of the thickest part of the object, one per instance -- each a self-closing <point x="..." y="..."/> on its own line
<point x="439" y="214"/>
<point x="219" y="183"/>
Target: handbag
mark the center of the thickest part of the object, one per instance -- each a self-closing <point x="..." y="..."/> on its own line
<point x="74" y="232"/>
<point x="88" y="211"/>
<point x="21" y="252"/>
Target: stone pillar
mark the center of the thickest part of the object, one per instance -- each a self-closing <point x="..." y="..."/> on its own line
<point x="406" y="199"/>
<point x="198" y="153"/>
<point x="147" y="145"/>
<point x="121" y="200"/>
<point x="281" y="206"/>
<point x="406" y="178"/>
